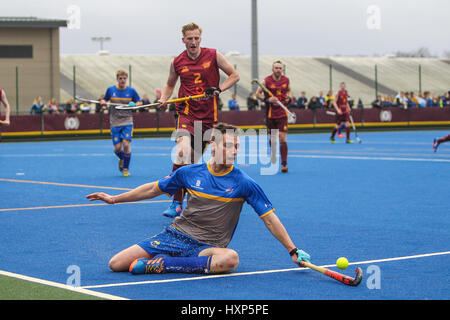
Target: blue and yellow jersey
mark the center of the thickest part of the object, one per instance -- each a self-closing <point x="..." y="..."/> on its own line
<point x="113" y="94"/>
<point x="214" y="201"/>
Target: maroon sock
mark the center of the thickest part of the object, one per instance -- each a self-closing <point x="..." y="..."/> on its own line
<point x="179" y="195"/>
<point x="348" y="133"/>
<point x="333" y="133"/>
<point x="444" y="139"/>
<point x="283" y="152"/>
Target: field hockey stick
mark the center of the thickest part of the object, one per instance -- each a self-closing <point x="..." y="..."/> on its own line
<point x="336" y="275"/>
<point x="331" y="113"/>
<point x="292" y="116"/>
<point x="127" y="107"/>
<point x="96" y="101"/>
<point x="118" y="105"/>
<point x="354" y="128"/>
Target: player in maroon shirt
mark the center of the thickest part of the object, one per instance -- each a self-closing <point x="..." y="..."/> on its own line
<point x="437" y="141"/>
<point x="276" y="117"/>
<point x="342" y="113"/>
<point x="198" y="70"/>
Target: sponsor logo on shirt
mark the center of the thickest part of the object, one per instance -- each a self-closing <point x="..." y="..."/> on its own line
<point x="197" y="185"/>
<point x="206" y="64"/>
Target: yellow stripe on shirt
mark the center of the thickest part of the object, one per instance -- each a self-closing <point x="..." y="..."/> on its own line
<point x="113" y="99"/>
<point x="213" y="197"/>
<point x="157" y="186"/>
<point x="265" y="214"/>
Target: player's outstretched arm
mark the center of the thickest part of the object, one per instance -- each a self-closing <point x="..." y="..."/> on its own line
<point x="145" y="191"/>
<point x="279" y="232"/>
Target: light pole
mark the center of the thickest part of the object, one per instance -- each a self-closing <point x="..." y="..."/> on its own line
<point x="254" y="58"/>
<point x="101" y="40"/>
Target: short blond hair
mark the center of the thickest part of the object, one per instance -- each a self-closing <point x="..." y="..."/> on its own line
<point x="121" y="73"/>
<point x="278" y="61"/>
<point x="190" y="27"/>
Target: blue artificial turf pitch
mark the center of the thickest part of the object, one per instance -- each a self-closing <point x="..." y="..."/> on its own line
<point x="383" y="204"/>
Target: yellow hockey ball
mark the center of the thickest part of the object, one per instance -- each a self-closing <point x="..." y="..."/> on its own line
<point x="342" y="263"/>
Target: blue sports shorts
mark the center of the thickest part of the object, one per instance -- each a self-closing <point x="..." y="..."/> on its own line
<point x="120" y="133"/>
<point x="174" y="243"/>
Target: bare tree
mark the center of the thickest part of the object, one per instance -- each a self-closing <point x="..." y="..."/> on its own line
<point x="422" y="52"/>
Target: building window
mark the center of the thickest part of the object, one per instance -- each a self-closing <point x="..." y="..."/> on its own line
<point x="10" y="51"/>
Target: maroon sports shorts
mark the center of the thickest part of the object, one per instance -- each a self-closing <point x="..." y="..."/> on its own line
<point x="279" y="123"/>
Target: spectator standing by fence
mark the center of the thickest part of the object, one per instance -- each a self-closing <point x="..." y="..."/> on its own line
<point x="52" y="107"/>
<point x="233" y="104"/>
<point x="71" y="107"/>
<point x="302" y="100"/>
<point x="38" y="106"/>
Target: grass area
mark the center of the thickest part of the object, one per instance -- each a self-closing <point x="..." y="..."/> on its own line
<point x="17" y="289"/>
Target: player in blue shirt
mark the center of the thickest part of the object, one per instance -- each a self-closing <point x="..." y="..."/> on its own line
<point x="197" y="240"/>
<point x="121" y="121"/>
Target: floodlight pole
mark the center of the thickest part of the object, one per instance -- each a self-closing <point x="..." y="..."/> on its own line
<point x="254" y="44"/>
<point x="101" y="40"/>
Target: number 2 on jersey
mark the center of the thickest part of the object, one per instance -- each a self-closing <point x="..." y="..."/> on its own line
<point x="198" y="78"/>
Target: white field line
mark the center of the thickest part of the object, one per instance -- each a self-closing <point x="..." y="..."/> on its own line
<point x="259" y="272"/>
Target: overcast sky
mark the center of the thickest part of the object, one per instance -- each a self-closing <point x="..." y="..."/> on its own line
<point x="285" y="27"/>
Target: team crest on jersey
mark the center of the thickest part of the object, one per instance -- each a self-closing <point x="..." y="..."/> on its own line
<point x="284" y="85"/>
<point x="206" y="64"/>
<point x="155" y="243"/>
<point x="229" y="190"/>
<point x="184" y="69"/>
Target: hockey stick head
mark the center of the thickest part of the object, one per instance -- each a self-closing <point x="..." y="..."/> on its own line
<point x="357" y="280"/>
<point x="261" y="86"/>
<point x="346" y="279"/>
<point x="292" y="117"/>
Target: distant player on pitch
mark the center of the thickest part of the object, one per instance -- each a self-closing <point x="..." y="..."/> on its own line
<point x="343" y="110"/>
<point x="121" y="121"/>
<point x="276" y="117"/>
<point x="198" y="70"/>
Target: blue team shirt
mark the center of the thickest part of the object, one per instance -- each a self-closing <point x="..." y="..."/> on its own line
<point x="117" y="117"/>
<point x="214" y="202"/>
<point x="116" y="95"/>
<point x="233" y="186"/>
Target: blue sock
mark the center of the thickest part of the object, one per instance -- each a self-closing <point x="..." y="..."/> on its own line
<point x="126" y="160"/>
<point x="119" y="154"/>
<point x="342" y="126"/>
<point x="187" y="264"/>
